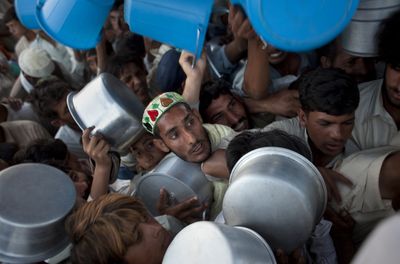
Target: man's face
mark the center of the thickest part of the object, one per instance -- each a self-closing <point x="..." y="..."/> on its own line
<point x="182" y="132"/>
<point x="135" y="79"/>
<point x="64" y="115"/>
<point x="146" y="153"/>
<point x="227" y="110"/>
<point x="328" y="133"/>
<point x="276" y="56"/>
<point x="16" y="29"/>
<point x="392" y="84"/>
<point x="152" y="246"/>
<point x="360" y="69"/>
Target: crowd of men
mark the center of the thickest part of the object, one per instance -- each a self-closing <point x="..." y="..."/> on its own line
<point x="340" y="111"/>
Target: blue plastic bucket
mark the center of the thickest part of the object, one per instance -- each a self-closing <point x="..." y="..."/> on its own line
<point x="180" y="23"/>
<point x="74" y="23"/>
<point x="292" y="25"/>
<point x="26" y="12"/>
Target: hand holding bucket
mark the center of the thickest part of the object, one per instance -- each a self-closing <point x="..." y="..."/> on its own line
<point x="298" y="25"/>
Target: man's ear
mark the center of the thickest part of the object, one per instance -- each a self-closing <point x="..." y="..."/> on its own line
<point x="325" y="62"/>
<point x="302" y="117"/>
<point x="159" y="143"/>
<point x="57" y="122"/>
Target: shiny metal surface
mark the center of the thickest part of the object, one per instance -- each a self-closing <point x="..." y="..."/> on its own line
<point x="34" y="201"/>
<point x="110" y="106"/>
<point x="209" y="242"/>
<point x="359" y="37"/>
<point x="277" y="193"/>
<point x="180" y="178"/>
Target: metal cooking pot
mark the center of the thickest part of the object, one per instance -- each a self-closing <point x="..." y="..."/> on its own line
<point x="180" y="178"/>
<point x="277" y="193"/>
<point x="34" y="201"/>
<point x="208" y="242"/>
<point x="359" y="38"/>
<point x="110" y="106"/>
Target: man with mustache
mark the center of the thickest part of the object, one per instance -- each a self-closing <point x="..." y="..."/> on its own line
<point x="178" y="128"/>
<point x="378" y="117"/>
<point x="219" y="106"/>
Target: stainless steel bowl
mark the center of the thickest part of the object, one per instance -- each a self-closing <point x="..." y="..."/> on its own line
<point x="180" y="178"/>
<point x="110" y="106"/>
<point x="208" y="242"/>
<point x="34" y="201"/>
<point x="277" y="193"/>
<point x="359" y="37"/>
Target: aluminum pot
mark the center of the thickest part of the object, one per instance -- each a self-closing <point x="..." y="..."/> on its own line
<point x="180" y="178"/>
<point x="209" y="242"/>
<point x="359" y="38"/>
<point x="277" y="193"/>
<point x="110" y="106"/>
<point x="34" y="201"/>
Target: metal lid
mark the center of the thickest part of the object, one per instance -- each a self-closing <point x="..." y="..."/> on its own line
<point x="148" y="190"/>
<point x="209" y="242"/>
<point x="34" y="200"/>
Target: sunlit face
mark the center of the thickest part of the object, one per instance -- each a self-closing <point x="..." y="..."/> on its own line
<point x="392" y="84"/>
<point x="328" y="133"/>
<point x="16" y="28"/>
<point x="152" y="246"/>
<point x="360" y="69"/>
<point x="135" y="79"/>
<point x="182" y="132"/>
<point x="227" y="110"/>
<point x="146" y="153"/>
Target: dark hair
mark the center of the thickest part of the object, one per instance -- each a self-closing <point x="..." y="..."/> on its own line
<point x="7" y="151"/>
<point x="331" y="91"/>
<point x="10" y="15"/>
<point x="48" y="92"/>
<point x="45" y="149"/>
<point x="210" y="91"/>
<point x="251" y="140"/>
<point x="116" y="63"/>
<point x="389" y="39"/>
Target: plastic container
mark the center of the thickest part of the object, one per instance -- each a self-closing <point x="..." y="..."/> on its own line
<point x="26" y="12"/>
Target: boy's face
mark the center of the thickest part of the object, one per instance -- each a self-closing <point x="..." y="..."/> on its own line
<point x="135" y="79"/>
<point x="146" y="153"/>
<point x="152" y="246"/>
<point x="328" y="133"/>
<point x="227" y="110"/>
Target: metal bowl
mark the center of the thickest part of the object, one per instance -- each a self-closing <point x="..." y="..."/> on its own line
<point x="180" y="178"/>
<point x="34" y="201"/>
<point x="110" y="106"/>
<point x="359" y="37"/>
<point x="208" y="242"/>
<point x="278" y="193"/>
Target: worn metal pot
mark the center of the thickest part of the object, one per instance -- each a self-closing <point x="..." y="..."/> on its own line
<point x="359" y="38"/>
<point x="110" y="106"/>
<point x="34" y="201"/>
<point x="180" y="178"/>
<point x="277" y="193"/>
<point x="208" y="242"/>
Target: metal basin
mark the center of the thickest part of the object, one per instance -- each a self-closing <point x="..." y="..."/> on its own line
<point x="34" y="201"/>
<point x="359" y="37"/>
<point x="180" y="178"/>
<point x="277" y="193"/>
<point x="208" y="242"/>
<point x="110" y="106"/>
